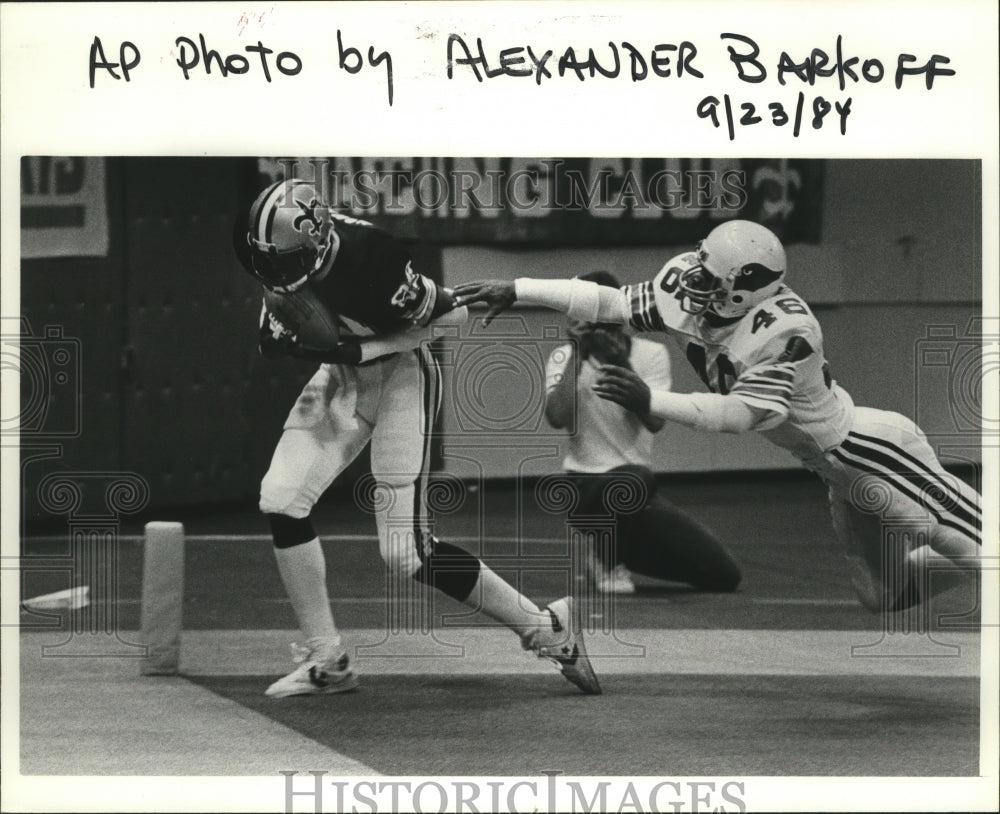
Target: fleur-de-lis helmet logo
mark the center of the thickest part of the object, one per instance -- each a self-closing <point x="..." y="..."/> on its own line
<point x="307" y="221"/>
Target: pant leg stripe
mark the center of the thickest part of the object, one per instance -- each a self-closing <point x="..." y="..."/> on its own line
<point x="890" y="477"/>
<point x="428" y="388"/>
<point x="899" y="482"/>
<point x="894" y="459"/>
<point x="958" y="496"/>
<point x="897" y="474"/>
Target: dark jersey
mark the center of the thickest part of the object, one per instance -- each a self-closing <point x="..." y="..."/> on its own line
<point x="371" y="287"/>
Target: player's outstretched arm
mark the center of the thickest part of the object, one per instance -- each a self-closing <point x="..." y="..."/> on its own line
<point x="496" y="295"/>
<point x="580" y="299"/>
<point x="711" y="412"/>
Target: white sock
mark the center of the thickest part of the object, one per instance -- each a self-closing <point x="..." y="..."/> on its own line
<point x="500" y="600"/>
<point x="303" y="571"/>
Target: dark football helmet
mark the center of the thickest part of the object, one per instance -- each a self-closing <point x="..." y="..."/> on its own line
<point x="290" y="235"/>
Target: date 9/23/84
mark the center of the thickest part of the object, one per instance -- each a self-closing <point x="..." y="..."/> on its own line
<point x="748" y="115"/>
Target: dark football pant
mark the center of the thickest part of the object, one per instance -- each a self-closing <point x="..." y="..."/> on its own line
<point x="653" y="537"/>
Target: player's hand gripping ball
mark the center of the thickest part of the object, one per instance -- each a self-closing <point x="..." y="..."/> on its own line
<point x="302" y="313"/>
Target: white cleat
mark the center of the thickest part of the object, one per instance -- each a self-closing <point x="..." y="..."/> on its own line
<point x="315" y="675"/>
<point x="563" y="646"/>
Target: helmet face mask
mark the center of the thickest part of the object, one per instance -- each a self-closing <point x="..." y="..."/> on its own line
<point x="290" y="234"/>
<point x="285" y="272"/>
<point x="740" y="264"/>
<point x="701" y="289"/>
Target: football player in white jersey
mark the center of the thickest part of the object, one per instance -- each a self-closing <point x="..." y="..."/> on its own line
<point x="611" y="446"/>
<point x="759" y="350"/>
<point x="380" y="385"/>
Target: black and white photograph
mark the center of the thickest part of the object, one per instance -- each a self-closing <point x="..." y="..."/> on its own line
<point x="354" y="468"/>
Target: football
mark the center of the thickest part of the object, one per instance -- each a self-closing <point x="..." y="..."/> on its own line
<point x="304" y="315"/>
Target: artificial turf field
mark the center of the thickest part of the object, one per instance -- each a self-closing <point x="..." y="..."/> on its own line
<point x="786" y="677"/>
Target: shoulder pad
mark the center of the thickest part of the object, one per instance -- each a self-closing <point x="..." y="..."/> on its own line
<point x="781" y="313"/>
<point x="792" y="341"/>
<point x="767" y="331"/>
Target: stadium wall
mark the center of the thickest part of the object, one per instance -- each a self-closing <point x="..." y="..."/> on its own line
<point x="166" y="381"/>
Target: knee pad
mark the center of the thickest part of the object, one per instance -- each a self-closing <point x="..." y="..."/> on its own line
<point x="450" y="569"/>
<point x="290" y="531"/>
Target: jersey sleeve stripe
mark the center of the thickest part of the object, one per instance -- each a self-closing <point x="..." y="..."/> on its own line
<point x="636" y="304"/>
<point x="762" y="381"/>
<point x="645" y="315"/>
<point x="766" y="386"/>
<point x="778" y="372"/>
<point x="782" y="373"/>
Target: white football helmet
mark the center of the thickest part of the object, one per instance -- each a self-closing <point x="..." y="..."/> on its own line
<point x="740" y="264"/>
<point x="291" y="235"/>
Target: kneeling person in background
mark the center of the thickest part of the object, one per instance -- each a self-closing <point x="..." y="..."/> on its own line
<point x="609" y="444"/>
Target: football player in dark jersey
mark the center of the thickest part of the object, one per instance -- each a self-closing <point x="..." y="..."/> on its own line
<point x="378" y="383"/>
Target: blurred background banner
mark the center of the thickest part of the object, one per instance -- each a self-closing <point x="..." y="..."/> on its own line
<point x="565" y="201"/>
<point x="64" y="208"/>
